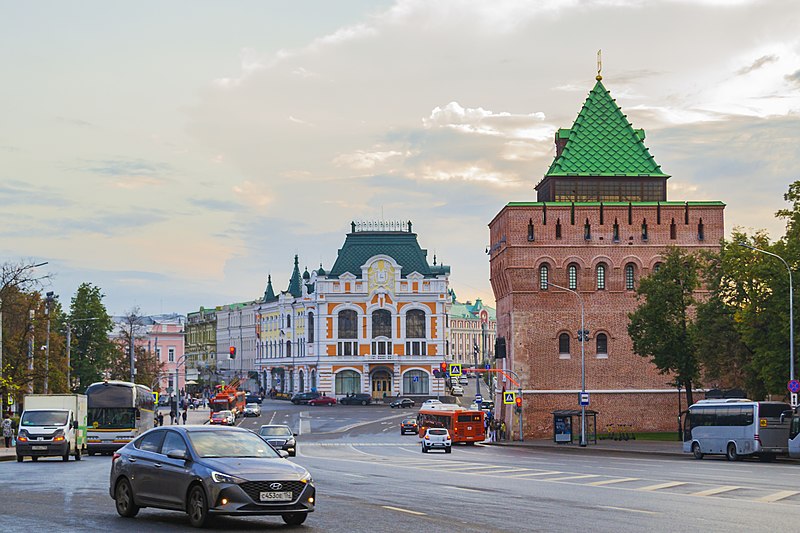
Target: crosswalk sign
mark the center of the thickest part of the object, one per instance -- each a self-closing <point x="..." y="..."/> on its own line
<point x="155" y="397"/>
<point x="509" y="398"/>
<point x="455" y="369"/>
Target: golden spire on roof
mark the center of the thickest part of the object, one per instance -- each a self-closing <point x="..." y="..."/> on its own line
<point x="599" y="65"/>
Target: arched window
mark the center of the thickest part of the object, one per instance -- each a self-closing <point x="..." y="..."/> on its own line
<point x="673" y="230"/>
<point x="348" y="382"/>
<point x="601" y="276"/>
<point x="644" y="229"/>
<point x="616" y="231"/>
<point x="288" y="348"/>
<point x="558" y="228"/>
<point x="587" y="230"/>
<point x="572" y="274"/>
<point x="310" y="327"/>
<point x="563" y="344"/>
<point x="544" y="276"/>
<point x="530" y="230"/>
<point x="602" y="344"/>
<point x="656" y="267"/>
<point x="348" y="324"/>
<point x="416" y="382"/>
<point x="288" y="321"/>
<point x="381" y="323"/>
<point x="701" y="232"/>
<point x="629" y="276"/>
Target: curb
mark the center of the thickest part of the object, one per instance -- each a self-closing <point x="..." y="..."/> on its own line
<point x="588" y="449"/>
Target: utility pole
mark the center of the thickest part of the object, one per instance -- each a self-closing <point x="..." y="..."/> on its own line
<point x="31" y="316"/>
<point x="48" y="302"/>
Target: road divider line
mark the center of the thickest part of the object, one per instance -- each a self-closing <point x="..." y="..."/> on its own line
<point x="549" y="473"/>
<point x="611" y="481"/>
<point x="667" y="485"/>
<point x="777" y="496"/>
<point x="582" y="476"/>
<point x="627" y="509"/>
<point x="465" y="489"/>
<point x="715" y="490"/>
<point x="409" y="511"/>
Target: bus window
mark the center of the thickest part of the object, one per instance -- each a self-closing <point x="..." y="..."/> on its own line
<point x="795" y="426"/>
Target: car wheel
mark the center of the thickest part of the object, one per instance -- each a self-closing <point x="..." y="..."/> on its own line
<point x="65" y="457"/>
<point x="20" y="458"/>
<point x="293" y="454"/>
<point x="123" y="499"/>
<point x="696" y="451"/>
<point x="447" y="450"/>
<point x="77" y="454"/>
<point x="363" y="402"/>
<point x="424" y="449"/>
<point x="34" y="458"/>
<point x="294" y="519"/>
<point x="197" y="507"/>
<point x="732" y="454"/>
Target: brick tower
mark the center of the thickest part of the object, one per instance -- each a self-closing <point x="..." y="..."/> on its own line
<point x="601" y="222"/>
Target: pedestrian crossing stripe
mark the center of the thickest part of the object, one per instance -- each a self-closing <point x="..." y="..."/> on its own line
<point x="455" y="369"/>
<point x="509" y="398"/>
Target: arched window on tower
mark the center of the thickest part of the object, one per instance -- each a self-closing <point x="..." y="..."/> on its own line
<point x="558" y="228"/>
<point x="616" y="231"/>
<point x="673" y="230"/>
<point x="572" y="276"/>
<point x="602" y="345"/>
<point x="530" y="230"/>
<point x="630" y="276"/>
<point x="587" y="230"/>
<point x="701" y="232"/>
<point x="601" y="276"/>
<point x="563" y="345"/>
<point x="544" y="276"/>
<point x="310" y="327"/>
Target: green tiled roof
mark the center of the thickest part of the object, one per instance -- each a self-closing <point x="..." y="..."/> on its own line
<point x="471" y="311"/>
<point x="602" y="142"/>
<point x="269" y="294"/>
<point x="294" y="282"/>
<point x="401" y="246"/>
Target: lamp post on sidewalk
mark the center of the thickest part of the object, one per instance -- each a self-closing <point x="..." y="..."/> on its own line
<point x="582" y="334"/>
<point x="791" y="309"/>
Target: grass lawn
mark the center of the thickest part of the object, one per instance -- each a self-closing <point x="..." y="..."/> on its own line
<point x="660" y="436"/>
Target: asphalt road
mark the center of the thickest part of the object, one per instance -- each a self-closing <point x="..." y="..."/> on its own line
<point x="369" y="478"/>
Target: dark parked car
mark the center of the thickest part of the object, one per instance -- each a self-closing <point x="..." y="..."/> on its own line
<point x="279" y="437"/>
<point x="303" y="397"/>
<point x="356" y="399"/>
<point x="409" y="425"/>
<point x="402" y="403"/>
<point x="254" y="398"/>
<point x="204" y="471"/>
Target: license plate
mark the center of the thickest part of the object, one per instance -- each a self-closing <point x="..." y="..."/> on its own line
<point x="284" y="496"/>
<point x="39" y="448"/>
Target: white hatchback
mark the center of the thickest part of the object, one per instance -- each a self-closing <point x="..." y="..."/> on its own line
<point x="436" y="438"/>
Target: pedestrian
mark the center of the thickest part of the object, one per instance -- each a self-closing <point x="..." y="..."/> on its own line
<point x="172" y="417"/>
<point x="160" y="419"/>
<point x="8" y="429"/>
<point x="184" y="416"/>
<point x="502" y="430"/>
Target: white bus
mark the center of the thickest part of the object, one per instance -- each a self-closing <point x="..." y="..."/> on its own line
<point x="119" y="412"/>
<point x="737" y="428"/>
<point x="794" y="435"/>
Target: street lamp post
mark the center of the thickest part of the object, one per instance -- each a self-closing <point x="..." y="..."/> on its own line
<point x="582" y="337"/>
<point x="791" y="310"/>
<point x="48" y="304"/>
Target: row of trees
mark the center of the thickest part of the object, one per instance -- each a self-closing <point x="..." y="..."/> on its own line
<point x="722" y="319"/>
<point x="96" y="352"/>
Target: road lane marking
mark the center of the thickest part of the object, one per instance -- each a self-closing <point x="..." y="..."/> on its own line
<point x="582" y="476"/>
<point x="667" y="485"/>
<point x="777" y="496"/>
<point x="463" y="488"/>
<point x="409" y="511"/>
<point x="551" y="472"/>
<point x="510" y="470"/>
<point x="715" y="490"/>
<point x="353" y="475"/>
<point x="626" y="509"/>
<point x="611" y="481"/>
<point x="457" y="468"/>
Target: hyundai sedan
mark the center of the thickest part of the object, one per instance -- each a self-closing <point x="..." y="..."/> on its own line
<point x="206" y="471"/>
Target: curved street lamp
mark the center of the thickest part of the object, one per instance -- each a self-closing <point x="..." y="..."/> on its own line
<point x="791" y="308"/>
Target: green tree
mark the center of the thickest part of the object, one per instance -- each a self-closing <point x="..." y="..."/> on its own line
<point x="662" y="327"/>
<point x="148" y="367"/>
<point x="92" y="350"/>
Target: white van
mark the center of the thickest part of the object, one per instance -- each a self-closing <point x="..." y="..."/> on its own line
<point x="52" y="425"/>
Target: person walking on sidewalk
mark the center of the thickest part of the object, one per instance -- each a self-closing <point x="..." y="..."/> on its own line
<point x="8" y="429"/>
<point x="183" y="416"/>
<point x="160" y="419"/>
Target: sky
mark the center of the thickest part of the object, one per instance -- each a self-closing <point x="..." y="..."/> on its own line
<point x="176" y="153"/>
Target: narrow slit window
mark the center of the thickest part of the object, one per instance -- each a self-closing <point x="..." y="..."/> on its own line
<point x="629" y="276"/>
<point x="572" y="273"/>
<point x="544" y="277"/>
<point x="558" y="228"/>
<point x="587" y="230"/>
<point x="673" y="230"/>
<point x="701" y="232"/>
<point x="616" y="230"/>
<point x="601" y="276"/>
<point x="530" y="230"/>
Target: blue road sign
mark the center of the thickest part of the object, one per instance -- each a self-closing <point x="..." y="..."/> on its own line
<point x="415" y="379"/>
<point x="488" y="366"/>
<point x="277" y="380"/>
<point x="584" y="398"/>
<point x="478" y="398"/>
<point x="794" y="386"/>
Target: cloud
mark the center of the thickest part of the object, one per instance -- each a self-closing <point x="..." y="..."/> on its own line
<point x="18" y="194"/>
<point x="364" y="160"/>
<point x="485" y="122"/>
<point x="757" y="64"/>
<point x="212" y="204"/>
<point x="251" y="193"/>
<point x="127" y="167"/>
<point x="794" y="77"/>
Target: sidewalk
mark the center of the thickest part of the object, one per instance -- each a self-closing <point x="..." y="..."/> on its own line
<point x="648" y="447"/>
<point x="195" y="416"/>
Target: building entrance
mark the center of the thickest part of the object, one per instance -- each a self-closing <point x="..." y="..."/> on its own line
<point x="381" y="384"/>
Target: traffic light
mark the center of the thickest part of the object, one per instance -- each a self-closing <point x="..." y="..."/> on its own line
<point x="500" y="348"/>
<point x="232" y="353"/>
<point x="477" y="351"/>
<point x="518" y="401"/>
<point x="443" y="367"/>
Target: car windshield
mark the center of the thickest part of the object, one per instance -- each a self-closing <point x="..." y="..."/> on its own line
<point x="210" y="444"/>
<point x="410" y="421"/>
<point x="253" y="405"/>
<point x="44" y="418"/>
<point x="222" y="414"/>
<point x="275" y="431"/>
<point x="437" y="431"/>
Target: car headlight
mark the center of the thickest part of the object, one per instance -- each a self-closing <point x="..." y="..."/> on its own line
<point x="306" y="478"/>
<point x="290" y="442"/>
<point x="219" y="477"/>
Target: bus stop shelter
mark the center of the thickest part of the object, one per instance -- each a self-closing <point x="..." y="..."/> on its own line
<point x="563" y="426"/>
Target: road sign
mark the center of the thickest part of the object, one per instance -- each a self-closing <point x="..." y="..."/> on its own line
<point x="478" y="398"/>
<point x="277" y="380"/>
<point x="793" y="397"/>
<point x="10" y="400"/>
<point x="584" y="398"/>
<point x="415" y="379"/>
<point x="155" y="397"/>
<point x="455" y="369"/>
<point x="794" y="386"/>
<point x="488" y="366"/>
<point x="509" y="398"/>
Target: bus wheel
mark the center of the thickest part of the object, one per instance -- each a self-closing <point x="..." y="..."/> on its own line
<point x="696" y="451"/>
<point x="732" y="455"/>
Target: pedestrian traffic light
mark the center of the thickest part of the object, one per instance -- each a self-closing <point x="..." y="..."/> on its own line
<point x="518" y="401"/>
<point x="500" y="348"/>
<point x="232" y="353"/>
<point x="443" y="367"/>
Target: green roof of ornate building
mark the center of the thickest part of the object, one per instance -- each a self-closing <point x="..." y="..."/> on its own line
<point x="269" y="293"/>
<point x="402" y="246"/>
<point x="602" y="142"/>
<point x="294" y="282"/>
<point x="469" y="310"/>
